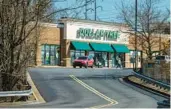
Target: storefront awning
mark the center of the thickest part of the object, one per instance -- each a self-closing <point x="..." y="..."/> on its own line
<point x="81" y="45"/>
<point x="101" y="47"/>
<point x="120" y="48"/>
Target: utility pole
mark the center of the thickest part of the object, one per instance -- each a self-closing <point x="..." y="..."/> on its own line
<point x="95" y="10"/>
<point x="135" y="35"/>
<point x="86" y="10"/>
<point x="160" y="43"/>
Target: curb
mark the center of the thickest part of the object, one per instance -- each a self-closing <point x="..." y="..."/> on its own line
<point x="36" y="93"/>
<point x="75" y="68"/>
<point x="15" y="104"/>
<point x="146" y="88"/>
<point x="44" y="66"/>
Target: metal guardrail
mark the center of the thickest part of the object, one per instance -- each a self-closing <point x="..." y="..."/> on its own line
<point x="16" y="93"/>
<point x="153" y="80"/>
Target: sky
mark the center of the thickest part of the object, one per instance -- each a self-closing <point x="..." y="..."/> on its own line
<point x="109" y="12"/>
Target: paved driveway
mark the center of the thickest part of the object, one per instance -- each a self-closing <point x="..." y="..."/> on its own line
<point x="85" y="88"/>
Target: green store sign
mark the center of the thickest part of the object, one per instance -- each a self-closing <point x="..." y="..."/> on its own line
<point x="106" y="35"/>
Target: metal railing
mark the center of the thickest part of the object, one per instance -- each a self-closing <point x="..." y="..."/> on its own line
<point x="152" y="80"/>
<point x="16" y="93"/>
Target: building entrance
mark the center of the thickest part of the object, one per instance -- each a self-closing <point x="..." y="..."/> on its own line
<point x="100" y="59"/>
<point x="118" y="60"/>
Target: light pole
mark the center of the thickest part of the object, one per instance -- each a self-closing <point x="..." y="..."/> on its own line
<point x="86" y="10"/>
<point x="95" y="10"/>
<point x="135" y="35"/>
<point x="160" y="42"/>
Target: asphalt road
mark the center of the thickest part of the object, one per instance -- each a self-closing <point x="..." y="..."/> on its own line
<point x="86" y="88"/>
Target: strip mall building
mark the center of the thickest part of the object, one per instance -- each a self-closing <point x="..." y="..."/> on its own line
<point x="61" y="43"/>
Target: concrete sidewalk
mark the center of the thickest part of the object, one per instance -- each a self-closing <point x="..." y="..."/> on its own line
<point x="45" y="66"/>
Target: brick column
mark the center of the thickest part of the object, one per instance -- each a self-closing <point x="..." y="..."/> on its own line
<point x="65" y="52"/>
<point x="38" y="55"/>
<point x="64" y="49"/>
<point x="127" y="61"/>
<point x="61" y="46"/>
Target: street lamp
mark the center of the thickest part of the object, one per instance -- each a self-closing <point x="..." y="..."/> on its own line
<point x="135" y="35"/>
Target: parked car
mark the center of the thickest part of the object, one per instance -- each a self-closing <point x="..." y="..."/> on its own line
<point x="83" y="61"/>
<point x="165" y="58"/>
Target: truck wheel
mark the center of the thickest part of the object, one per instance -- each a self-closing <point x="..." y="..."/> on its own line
<point x="80" y="66"/>
<point x="92" y="66"/>
<point x="74" y="66"/>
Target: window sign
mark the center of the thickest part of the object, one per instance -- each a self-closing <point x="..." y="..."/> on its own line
<point x="47" y="55"/>
<point x="57" y="55"/>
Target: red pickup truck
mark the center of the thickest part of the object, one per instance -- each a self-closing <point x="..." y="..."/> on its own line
<point x="83" y="61"/>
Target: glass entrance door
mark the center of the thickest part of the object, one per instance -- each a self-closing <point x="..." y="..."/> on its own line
<point x="120" y="57"/>
<point x="116" y="57"/>
<point x="100" y="58"/>
<point x="113" y="58"/>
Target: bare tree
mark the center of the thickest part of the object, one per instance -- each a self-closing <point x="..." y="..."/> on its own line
<point x="149" y="19"/>
<point x="19" y="21"/>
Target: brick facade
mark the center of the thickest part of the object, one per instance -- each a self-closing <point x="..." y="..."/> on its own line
<point x="51" y="34"/>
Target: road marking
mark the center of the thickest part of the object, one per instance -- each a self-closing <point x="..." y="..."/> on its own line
<point x="112" y="102"/>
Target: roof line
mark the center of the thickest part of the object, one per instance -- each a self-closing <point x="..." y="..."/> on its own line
<point x="64" y="19"/>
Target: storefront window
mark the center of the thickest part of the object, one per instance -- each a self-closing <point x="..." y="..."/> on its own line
<point x="50" y="54"/>
<point x="104" y="58"/>
<point x="113" y="58"/>
<point x="77" y="54"/>
<point x="121" y="57"/>
<point x="132" y="56"/>
<point x="100" y="58"/>
<point x="82" y="53"/>
<point x="74" y="54"/>
<point x="118" y="59"/>
<point x="91" y="54"/>
<point x="57" y="51"/>
<point x="47" y="59"/>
